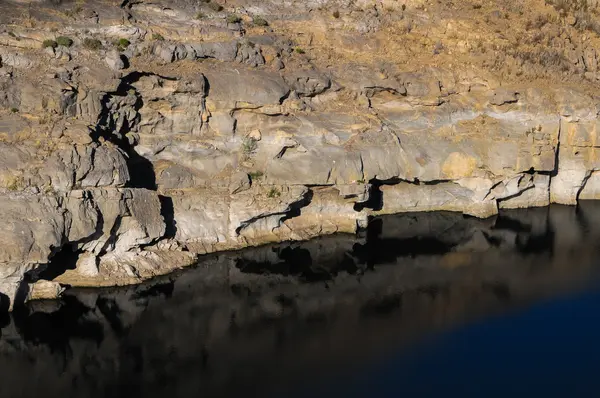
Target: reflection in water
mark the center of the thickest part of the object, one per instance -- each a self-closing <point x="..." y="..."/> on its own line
<point x="287" y="317"/>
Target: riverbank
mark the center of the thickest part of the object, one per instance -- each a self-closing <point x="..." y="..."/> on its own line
<point x="281" y="316"/>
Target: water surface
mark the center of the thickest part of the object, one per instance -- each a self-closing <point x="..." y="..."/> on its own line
<point x="417" y="305"/>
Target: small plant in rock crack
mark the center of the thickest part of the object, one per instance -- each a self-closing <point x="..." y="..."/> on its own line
<point x="259" y="21"/>
<point x="122" y="44"/>
<point x="64" y="41"/>
<point x="49" y="43"/>
<point x="232" y="18"/>
<point x="273" y="193"/>
<point x="92" y="44"/>
<point x="255" y="175"/>
<point x="249" y="146"/>
<point x="157" y="37"/>
<point x="15" y="183"/>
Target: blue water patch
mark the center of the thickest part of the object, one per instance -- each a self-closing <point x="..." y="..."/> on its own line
<point x="551" y="349"/>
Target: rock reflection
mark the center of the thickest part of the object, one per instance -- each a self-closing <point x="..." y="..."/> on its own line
<point x="250" y="322"/>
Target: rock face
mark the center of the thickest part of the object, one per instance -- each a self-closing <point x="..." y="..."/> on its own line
<point x="156" y="136"/>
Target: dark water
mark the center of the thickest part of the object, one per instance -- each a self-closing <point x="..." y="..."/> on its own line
<point x="418" y="305"/>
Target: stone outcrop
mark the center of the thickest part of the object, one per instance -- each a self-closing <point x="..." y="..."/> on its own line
<point x="163" y="130"/>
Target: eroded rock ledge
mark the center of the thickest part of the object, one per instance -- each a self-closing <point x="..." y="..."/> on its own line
<point x="122" y="162"/>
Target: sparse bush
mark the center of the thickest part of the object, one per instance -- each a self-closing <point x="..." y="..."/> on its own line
<point x="64" y="41"/>
<point x="12" y="34"/>
<point x="92" y="44"/>
<point x="565" y="6"/>
<point x="157" y="37"/>
<point x="232" y="18"/>
<point x="336" y="14"/>
<point x="215" y="7"/>
<point x="72" y="13"/>
<point x="122" y="44"/>
<point x="537" y="23"/>
<point x="583" y="11"/>
<point x="255" y="175"/>
<point x="200" y="15"/>
<point x="585" y="21"/>
<point x="259" y="21"/>
<point x="49" y="43"/>
<point x="249" y="146"/>
<point x="15" y="183"/>
<point x="14" y="110"/>
<point x="549" y="58"/>
<point x="273" y="193"/>
<point x="299" y="50"/>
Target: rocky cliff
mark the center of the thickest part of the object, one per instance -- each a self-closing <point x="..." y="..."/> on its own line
<point x="135" y="135"/>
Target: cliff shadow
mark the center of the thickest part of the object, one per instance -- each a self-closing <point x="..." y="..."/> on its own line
<point x="63" y="260"/>
<point x="168" y="212"/>
<point x="375" y="201"/>
<point x="141" y="171"/>
<point x="4" y="306"/>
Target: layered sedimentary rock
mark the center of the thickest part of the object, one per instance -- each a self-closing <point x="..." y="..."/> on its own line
<point x="137" y="135"/>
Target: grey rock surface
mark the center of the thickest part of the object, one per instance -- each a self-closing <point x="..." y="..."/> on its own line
<point x="205" y="135"/>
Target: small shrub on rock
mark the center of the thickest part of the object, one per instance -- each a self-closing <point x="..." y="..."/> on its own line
<point x="274" y="193"/>
<point x="15" y="183"/>
<point x="49" y="43"/>
<point x="92" y="44"/>
<point x="299" y="50"/>
<point x="254" y="175"/>
<point x="200" y="15"/>
<point x="336" y="14"/>
<point x="64" y="41"/>
<point x="249" y="146"/>
<point x="232" y="18"/>
<point x="122" y="44"/>
<point x="157" y="37"/>
<point x="259" y="21"/>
